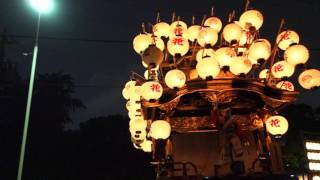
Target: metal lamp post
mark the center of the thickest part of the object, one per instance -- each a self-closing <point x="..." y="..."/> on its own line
<point x="41" y="6"/>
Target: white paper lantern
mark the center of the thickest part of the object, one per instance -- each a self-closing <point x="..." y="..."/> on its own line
<point x="282" y="69"/>
<point x="277" y="125"/>
<point x="240" y="65"/>
<point x="160" y="129"/>
<point x="157" y="41"/>
<point x="285" y="85"/>
<point x="193" y="32"/>
<point x="259" y="50"/>
<point x="178" y="45"/>
<point x="251" y="18"/>
<point x="161" y="29"/>
<point x="224" y="56"/>
<point x="151" y="90"/>
<point x="137" y="124"/>
<point x="214" y="23"/>
<point x="286" y="38"/>
<point x="232" y="32"/>
<point x="246" y="38"/>
<point x="175" y="78"/>
<point x="264" y="74"/>
<point x="178" y="28"/>
<point x="310" y="78"/>
<point x="207" y="52"/>
<point x="207" y="36"/>
<point x="141" y="42"/>
<point x="208" y="67"/>
<point x="296" y="54"/>
<point x="126" y="90"/>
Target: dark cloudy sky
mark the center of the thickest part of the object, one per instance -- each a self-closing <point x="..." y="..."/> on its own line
<point x="100" y="68"/>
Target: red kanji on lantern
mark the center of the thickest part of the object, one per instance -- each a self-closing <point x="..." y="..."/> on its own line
<point x="275" y="123"/>
<point x="177" y="41"/>
<point x="155" y="87"/>
<point x="178" y="31"/>
<point x="278" y="68"/>
<point x="287" y="86"/>
<point x="285" y="36"/>
<point x="306" y="78"/>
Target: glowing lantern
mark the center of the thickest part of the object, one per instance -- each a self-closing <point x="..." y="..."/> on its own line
<point x="208" y="67"/>
<point x="175" y="78"/>
<point x="259" y="50"/>
<point x="203" y="53"/>
<point x="178" y="28"/>
<point x="157" y="41"/>
<point x="160" y="129"/>
<point x="134" y="114"/>
<point x="264" y="74"/>
<point x="178" y="45"/>
<point x="132" y="105"/>
<point x="152" y="56"/>
<point x="282" y="69"/>
<point x="193" y="74"/>
<point x="286" y="38"/>
<point x="265" y="41"/>
<point x="246" y="38"/>
<point x="126" y="90"/>
<point x="277" y="125"/>
<point x="137" y="125"/>
<point x="296" y="54"/>
<point x="214" y="23"/>
<point x="141" y="42"/>
<point x="161" y="29"/>
<point x="240" y="65"/>
<point x="151" y="90"/>
<point x="285" y="85"/>
<point x="224" y="56"/>
<point x="207" y="36"/>
<point x="146" y="146"/>
<point x="232" y="32"/>
<point x="251" y="18"/>
<point x="310" y="78"/>
<point x="193" y="32"/>
<point x="139" y="136"/>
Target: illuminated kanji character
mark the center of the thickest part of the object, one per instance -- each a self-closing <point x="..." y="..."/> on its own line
<point x="155" y="87"/>
<point x="275" y="123"/>
<point x="278" y="68"/>
<point x="178" y="41"/>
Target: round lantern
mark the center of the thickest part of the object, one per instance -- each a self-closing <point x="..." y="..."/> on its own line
<point x="193" y="32"/>
<point x="264" y="74"/>
<point x="152" y="56"/>
<point x="214" y="23"/>
<point x="132" y="105"/>
<point x="251" y="18"/>
<point x="207" y="36"/>
<point x="151" y="90"/>
<point x="160" y="129"/>
<point x="203" y="53"/>
<point x="161" y="29"/>
<point x="310" y="78"/>
<point x="146" y="146"/>
<point x="296" y="54"/>
<point x="178" y="28"/>
<point x="286" y="38"/>
<point x="178" y="45"/>
<point x="137" y="125"/>
<point x="277" y="125"/>
<point x="259" y="50"/>
<point x="224" y="56"/>
<point x="265" y="41"/>
<point x="232" y="32"/>
<point x="139" y="137"/>
<point x="157" y="41"/>
<point x="240" y="65"/>
<point x="193" y="74"/>
<point x="285" y="85"/>
<point x="141" y="42"/>
<point x="175" y="78"/>
<point x="282" y="69"/>
<point x="134" y="114"/>
<point x="208" y="67"/>
<point x="127" y="90"/>
<point x="246" y="38"/>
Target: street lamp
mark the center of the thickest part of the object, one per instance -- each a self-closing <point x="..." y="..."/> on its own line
<point x="42" y="7"/>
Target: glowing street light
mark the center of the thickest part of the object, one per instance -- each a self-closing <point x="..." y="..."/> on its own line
<point x="42" y="7"/>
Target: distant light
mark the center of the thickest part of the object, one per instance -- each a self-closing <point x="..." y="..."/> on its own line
<point x="312" y="146"/>
<point x="42" y="6"/>
<point x="291" y="175"/>
<point x="314" y="166"/>
<point x="313" y="156"/>
<point x="316" y="178"/>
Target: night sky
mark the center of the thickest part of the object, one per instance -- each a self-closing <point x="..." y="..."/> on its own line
<point x="92" y="39"/>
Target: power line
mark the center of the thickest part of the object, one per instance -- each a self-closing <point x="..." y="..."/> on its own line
<point x="108" y="41"/>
